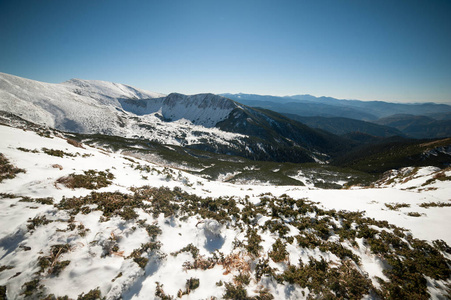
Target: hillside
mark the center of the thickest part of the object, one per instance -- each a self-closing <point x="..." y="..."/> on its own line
<point x="86" y="222"/>
<point x="393" y="153"/>
<point x="283" y="135"/>
<point x="307" y="105"/>
<point x="205" y="121"/>
<point x="309" y="109"/>
<point x="425" y="120"/>
<point x="418" y="126"/>
<point x="342" y="126"/>
<point x="202" y="109"/>
<point x="95" y="107"/>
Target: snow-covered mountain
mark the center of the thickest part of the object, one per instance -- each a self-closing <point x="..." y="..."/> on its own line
<point x="75" y="105"/>
<point x="201" y="109"/>
<point x="79" y="222"/>
<point x="86" y="106"/>
<point x="205" y="121"/>
<point x="69" y="105"/>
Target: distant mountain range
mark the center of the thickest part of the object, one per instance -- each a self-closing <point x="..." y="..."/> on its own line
<point x="418" y="126"/>
<point x="341" y="116"/>
<point x="343" y="126"/>
<point x="307" y="105"/>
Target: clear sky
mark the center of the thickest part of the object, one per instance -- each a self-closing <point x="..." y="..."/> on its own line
<point x="370" y="50"/>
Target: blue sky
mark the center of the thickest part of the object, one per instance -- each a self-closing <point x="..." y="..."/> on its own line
<point x="370" y="50"/>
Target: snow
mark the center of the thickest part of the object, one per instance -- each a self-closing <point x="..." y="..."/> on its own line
<point x="90" y="106"/>
<point x="201" y="109"/>
<point x="88" y="269"/>
<point x="372" y="201"/>
<point x="105" y="91"/>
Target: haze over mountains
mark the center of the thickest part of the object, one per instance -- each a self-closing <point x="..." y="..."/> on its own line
<point x="367" y="112"/>
<point x="332" y="107"/>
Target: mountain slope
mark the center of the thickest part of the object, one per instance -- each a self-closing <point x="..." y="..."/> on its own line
<point x="281" y="131"/>
<point x="202" y="109"/>
<point x="95" y="107"/>
<point x="341" y="126"/>
<point x="393" y="153"/>
<point x="310" y="109"/>
<point x="81" y="222"/>
<point x="205" y="121"/>
<point x="418" y="126"/>
<point x="307" y="105"/>
<point x="379" y="108"/>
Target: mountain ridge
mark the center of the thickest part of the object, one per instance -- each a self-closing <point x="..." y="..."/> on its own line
<point x="308" y="105"/>
<point x="418" y="126"/>
<point x="342" y="126"/>
<point x="192" y="121"/>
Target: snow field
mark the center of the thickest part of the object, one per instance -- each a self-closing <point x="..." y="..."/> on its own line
<point x="90" y="268"/>
<point x="90" y="106"/>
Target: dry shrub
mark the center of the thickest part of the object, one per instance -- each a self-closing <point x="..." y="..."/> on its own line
<point x="75" y="143"/>
<point x="200" y="263"/>
<point x="91" y="180"/>
<point x="235" y="261"/>
<point x="7" y="170"/>
<point x="52" y="261"/>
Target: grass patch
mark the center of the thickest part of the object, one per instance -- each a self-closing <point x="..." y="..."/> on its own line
<point x="75" y="143"/>
<point x="32" y="288"/>
<point x="46" y="200"/>
<point x="94" y="294"/>
<point x="91" y="180"/>
<point x="414" y="214"/>
<point x="396" y="206"/>
<point x="3" y="268"/>
<point x="136" y="255"/>
<point x="57" y="153"/>
<point x="111" y="204"/>
<point x="159" y="292"/>
<point x="434" y="204"/>
<point x="279" y="252"/>
<point x="7" y="170"/>
<point x="3" y="292"/>
<point x="51" y="262"/>
<point x="27" y="150"/>
<point x="192" y="284"/>
<point x="190" y="248"/>
<point x="235" y="292"/>
<point x="440" y="176"/>
<point x="37" y="221"/>
<point x="253" y="242"/>
<point x="326" y="282"/>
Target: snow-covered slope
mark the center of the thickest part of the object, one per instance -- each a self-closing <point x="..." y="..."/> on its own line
<point x="106" y="92"/>
<point x="205" y="121"/>
<point x="201" y="109"/>
<point x="70" y="105"/>
<point x="77" y="105"/>
<point x="86" y="106"/>
<point x="143" y="243"/>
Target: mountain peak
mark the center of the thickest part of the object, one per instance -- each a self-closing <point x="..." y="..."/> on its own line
<point x="201" y="109"/>
<point x="108" y="89"/>
<point x="206" y="121"/>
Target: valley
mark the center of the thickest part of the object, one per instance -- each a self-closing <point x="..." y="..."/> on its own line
<point x="112" y="192"/>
